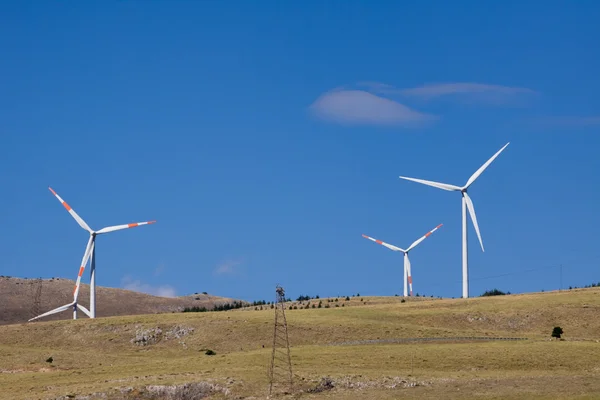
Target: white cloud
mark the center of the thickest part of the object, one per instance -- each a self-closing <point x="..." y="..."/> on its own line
<point x="364" y="108"/>
<point x="227" y="267"/>
<point x="138" y="286"/>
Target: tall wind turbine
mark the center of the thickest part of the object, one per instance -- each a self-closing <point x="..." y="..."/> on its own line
<point x="467" y="203"/>
<point x="407" y="273"/>
<point x="90" y="253"/>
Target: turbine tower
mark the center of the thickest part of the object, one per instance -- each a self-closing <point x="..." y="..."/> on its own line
<point x="407" y="273"/>
<point x="88" y="255"/>
<point x="467" y="203"/>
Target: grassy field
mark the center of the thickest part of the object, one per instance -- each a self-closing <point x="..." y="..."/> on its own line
<point x="98" y="356"/>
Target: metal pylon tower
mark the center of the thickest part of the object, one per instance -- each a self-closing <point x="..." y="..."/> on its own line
<point x="281" y="362"/>
<point x="37" y="297"/>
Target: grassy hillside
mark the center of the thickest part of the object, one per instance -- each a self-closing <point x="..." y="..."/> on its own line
<point x="17" y="300"/>
<point x="103" y="356"/>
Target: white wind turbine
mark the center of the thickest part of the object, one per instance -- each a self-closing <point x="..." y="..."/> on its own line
<point x="467" y="203"/>
<point x="407" y="273"/>
<point x="90" y="252"/>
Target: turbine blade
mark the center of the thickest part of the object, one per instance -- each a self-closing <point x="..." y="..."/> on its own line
<point x="471" y="209"/>
<point x="77" y="218"/>
<point x="85" y="310"/>
<point x="86" y="256"/>
<point x="438" y="185"/>
<point x="119" y="227"/>
<point x="389" y="246"/>
<point x="409" y="273"/>
<point x="56" y="310"/>
<point x="416" y="242"/>
<point x="483" y="167"/>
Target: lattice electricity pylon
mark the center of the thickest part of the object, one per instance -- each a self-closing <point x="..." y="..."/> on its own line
<point x="37" y="297"/>
<point x="281" y="362"/>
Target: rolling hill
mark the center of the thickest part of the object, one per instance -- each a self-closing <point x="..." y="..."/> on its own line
<point x="17" y="300"/>
<point x="361" y="348"/>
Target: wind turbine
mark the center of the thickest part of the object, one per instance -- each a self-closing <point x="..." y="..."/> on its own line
<point x="90" y="252"/>
<point x="467" y="203"/>
<point x="407" y="273"/>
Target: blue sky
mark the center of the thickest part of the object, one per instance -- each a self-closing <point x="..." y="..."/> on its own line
<point x="266" y="137"/>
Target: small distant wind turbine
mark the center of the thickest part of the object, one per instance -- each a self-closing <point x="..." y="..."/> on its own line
<point x="407" y="273"/>
<point x="90" y="252"/>
<point x="467" y="203"/>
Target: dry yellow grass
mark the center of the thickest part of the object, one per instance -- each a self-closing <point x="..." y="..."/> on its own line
<point x="97" y="355"/>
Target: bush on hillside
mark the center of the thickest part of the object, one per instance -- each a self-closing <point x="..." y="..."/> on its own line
<point x="494" y="292"/>
<point x="557" y="332"/>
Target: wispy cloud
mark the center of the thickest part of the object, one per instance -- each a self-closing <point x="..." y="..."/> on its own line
<point x="136" y="285"/>
<point x="464" y="91"/>
<point x="228" y="267"/>
<point x="158" y="270"/>
<point x="443" y="89"/>
<point x="359" y="107"/>
<point x="568" y="121"/>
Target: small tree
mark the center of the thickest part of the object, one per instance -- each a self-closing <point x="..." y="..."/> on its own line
<point x="557" y="332"/>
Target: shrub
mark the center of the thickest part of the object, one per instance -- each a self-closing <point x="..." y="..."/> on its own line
<point x="557" y="332"/>
<point x="336" y="299"/>
<point x="347" y="298"/>
<point x="209" y="352"/>
<point x="204" y="293"/>
<point x="403" y="301"/>
<point x="313" y="306"/>
<point x="49" y="360"/>
<point x="494" y="292"/>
